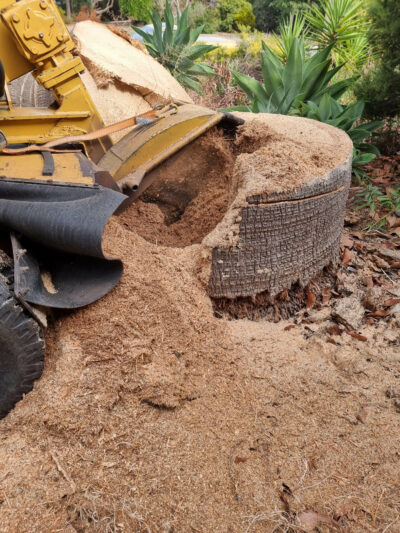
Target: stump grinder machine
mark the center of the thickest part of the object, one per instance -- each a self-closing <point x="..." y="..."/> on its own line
<point x="61" y="178"/>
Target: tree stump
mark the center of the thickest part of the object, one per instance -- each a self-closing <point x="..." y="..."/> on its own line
<point x="285" y="220"/>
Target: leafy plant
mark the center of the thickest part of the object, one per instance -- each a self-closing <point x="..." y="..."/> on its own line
<point x="137" y="9"/>
<point x="269" y="13"/>
<point x="372" y="198"/>
<point x="290" y="29"/>
<point x="380" y="87"/>
<point x="202" y="14"/>
<point x="176" y="49"/>
<point x="233" y="13"/>
<point x="342" y="23"/>
<point x="347" y="118"/>
<point x="287" y="86"/>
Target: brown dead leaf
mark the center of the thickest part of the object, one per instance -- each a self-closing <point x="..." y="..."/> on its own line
<point x="381" y="263"/>
<point x="355" y="335"/>
<point x="331" y="341"/>
<point x="380" y="313"/>
<point x="358" y="235"/>
<point x="391" y="301"/>
<point x="393" y="221"/>
<point x="309" y="520"/>
<point x="395" y="231"/>
<point x="394" y="255"/>
<point x="347" y="242"/>
<point x="290" y="326"/>
<point x="347" y="257"/>
<point x="240" y="460"/>
<point x="310" y="299"/>
<point x="326" y="295"/>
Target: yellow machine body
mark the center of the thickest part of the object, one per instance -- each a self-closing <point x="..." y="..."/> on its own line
<point x="33" y="37"/>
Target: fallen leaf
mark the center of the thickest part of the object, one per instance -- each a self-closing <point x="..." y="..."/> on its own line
<point x="381" y="312"/>
<point x="310" y="299"/>
<point x="347" y="257"/>
<point x="331" y="341"/>
<point x="290" y="326"/>
<point x="393" y="221"/>
<point x="390" y="254"/>
<point x="346" y="241"/>
<point x="357" y="336"/>
<point x="358" y="235"/>
<point x="240" y="460"/>
<point x="390" y="302"/>
<point x="326" y="295"/>
<point x="310" y="520"/>
<point x="381" y="263"/>
<point x="395" y="231"/>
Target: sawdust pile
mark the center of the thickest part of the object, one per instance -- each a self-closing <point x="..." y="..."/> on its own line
<point x="152" y="415"/>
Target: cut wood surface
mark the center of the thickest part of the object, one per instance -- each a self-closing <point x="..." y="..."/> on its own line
<point x="111" y="59"/>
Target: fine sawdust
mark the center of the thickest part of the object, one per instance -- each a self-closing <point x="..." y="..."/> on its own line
<point x="153" y="415"/>
<point x="190" y="195"/>
<point x="199" y="193"/>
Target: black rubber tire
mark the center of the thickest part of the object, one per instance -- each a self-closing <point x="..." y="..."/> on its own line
<point x="21" y="346"/>
<point x="26" y="92"/>
<point x="2" y="79"/>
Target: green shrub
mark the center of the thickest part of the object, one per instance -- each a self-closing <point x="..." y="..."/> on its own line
<point x="270" y="13"/>
<point x="233" y="13"/>
<point x="201" y="14"/>
<point x="380" y="87"/>
<point x="176" y="49"/>
<point x="137" y="9"/>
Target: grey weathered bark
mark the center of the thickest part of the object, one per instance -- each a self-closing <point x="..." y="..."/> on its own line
<point x="283" y="239"/>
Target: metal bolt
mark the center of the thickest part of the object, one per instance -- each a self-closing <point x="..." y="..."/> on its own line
<point x="15" y="18"/>
<point x="43" y="4"/>
<point x="41" y="35"/>
<point x="60" y="37"/>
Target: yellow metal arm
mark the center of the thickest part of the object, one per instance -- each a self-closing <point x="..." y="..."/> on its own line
<point x="33" y="36"/>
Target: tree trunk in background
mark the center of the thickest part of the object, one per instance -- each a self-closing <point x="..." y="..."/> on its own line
<point x="68" y="11"/>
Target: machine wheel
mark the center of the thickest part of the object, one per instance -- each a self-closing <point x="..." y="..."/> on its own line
<point x="21" y="345"/>
<point x="26" y="92"/>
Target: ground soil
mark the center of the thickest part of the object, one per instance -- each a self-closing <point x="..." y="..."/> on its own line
<point x="154" y="415"/>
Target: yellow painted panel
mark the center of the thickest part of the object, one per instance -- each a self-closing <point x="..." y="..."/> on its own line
<point x="30" y="167"/>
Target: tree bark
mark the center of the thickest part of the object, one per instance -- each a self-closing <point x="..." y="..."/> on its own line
<point x="283" y="239"/>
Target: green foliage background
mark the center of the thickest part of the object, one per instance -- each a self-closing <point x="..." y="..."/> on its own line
<point x="269" y="13"/>
<point x="137" y="9"/>
<point x="380" y="87"/>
